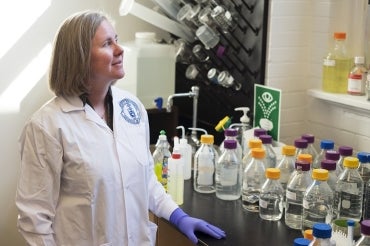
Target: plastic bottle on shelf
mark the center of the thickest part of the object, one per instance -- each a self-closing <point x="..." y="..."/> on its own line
<point x="229" y="172"/>
<point x="344" y="151"/>
<point x="252" y="144"/>
<point x="295" y="190"/>
<point x="349" y="191"/>
<point x="272" y="196"/>
<point x="204" y="165"/>
<point x="311" y="147"/>
<point x="270" y="152"/>
<point x="186" y="153"/>
<point x="364" y="240"/>
<point x="231" y="133"/>
<point x="322" y="235"/>
<point x="357" y="77"/>
<point x="286" y="164"/>
<point x="160" y="156"/>
<point x="317" y="200"/>
<point x="331" y="166"/>
<point x="325" y="145"/>
<point x="176" y="176"/>
<point x="253" y="179"/>
<point x="336" y="66"/>
<point x="301" y="146"/>
<point x="334" y="155"/>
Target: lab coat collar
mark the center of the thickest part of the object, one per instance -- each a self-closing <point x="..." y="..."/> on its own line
<point x="69" y="104"/>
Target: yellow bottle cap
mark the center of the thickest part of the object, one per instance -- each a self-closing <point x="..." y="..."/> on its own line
<point x="351" y="162"/>
<point x="305" y="157"/>
<point x="288" y="150"/>
<point x="308" y="234"/>
<point x="258" y="153"/>
<point x="207" y="139"/>
<point x="273" y="173"/>
<point x="320" y="174"/>
<point x="255" y="143"/>
<point x="222" y="124"/>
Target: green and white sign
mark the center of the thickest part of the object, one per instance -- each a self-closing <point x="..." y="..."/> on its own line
<point x="267" y="106"/>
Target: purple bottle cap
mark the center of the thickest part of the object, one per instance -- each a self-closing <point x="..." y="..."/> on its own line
<point x="309" y="137"/>
<point x="266" y="139"/>
<point x="332" y="155"/>
<point x="231" y="132"/>
<point x="345" y="150"/>
<point x="329" y="165"/>
<point x="301" y="143"/>
<point x="303" y="165"/>
<point x="365" y="227"/>
<point x="259" y="131"/>
<point x="230" y="144"/>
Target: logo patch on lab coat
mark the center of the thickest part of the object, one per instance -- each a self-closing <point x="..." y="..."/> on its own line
<point x="130" y="111"/>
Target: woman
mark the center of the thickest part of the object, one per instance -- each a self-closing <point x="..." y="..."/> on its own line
<point x="86" y="169"/>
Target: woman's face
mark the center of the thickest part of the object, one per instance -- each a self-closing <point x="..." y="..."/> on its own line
<point x="106" y="55"/>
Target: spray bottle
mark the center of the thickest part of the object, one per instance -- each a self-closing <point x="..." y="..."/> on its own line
<point x="186" y="153"/>
<point x="242" y="127"/>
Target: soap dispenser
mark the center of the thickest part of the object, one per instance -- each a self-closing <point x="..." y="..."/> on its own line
<point x="242" y="127"/>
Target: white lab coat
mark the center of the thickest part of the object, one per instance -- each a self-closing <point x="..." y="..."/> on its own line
<point x="82" y="183"/>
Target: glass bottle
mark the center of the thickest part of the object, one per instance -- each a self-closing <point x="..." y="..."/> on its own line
<point x="308" y="234"/>
<point x="259" y="131"/>
<point x="325" y="145"/>
<point x="368" y="87"/>
<point x="160" y="156"/>
<point x="252" y="144"/>
<point x="317" y="200"/>
<point x="272" y="196"/>
<point x="253" y="179"/>
<point x="229" y="172"/>
<point x="205" y="159"/>
<point x="301" y="146"/>
<point x="336" y="66"/>
<point x="365" y="234"/>
<point x="295" y="190"/>
<point x="344" y="151"/>
<point x="231" y="133"/>
<point x="305" y="157"/>
<point x="270" y="152"/>
<point x="322" y="235"/>
<point x="331" y="166"/>
<point x="286" y="164"/>
<point x="349" y="191"/>
<point x="311" y="147"/>
<point x="334" y="156"/>
<point x="357" y="77"/>
<point x="364" y="168"/>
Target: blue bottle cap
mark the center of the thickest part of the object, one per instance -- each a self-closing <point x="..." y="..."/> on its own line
<point x="350" y="223"/>
<point x="327" y="144"/>
<point x="363" y="157"/>
<point x="301" y="242"/>
<point x="321" y="230"/>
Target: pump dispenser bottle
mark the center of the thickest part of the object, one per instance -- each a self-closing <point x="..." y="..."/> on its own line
<point x="242" y="127"/>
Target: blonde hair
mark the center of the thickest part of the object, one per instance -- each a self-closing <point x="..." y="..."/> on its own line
<point x="70" y="62"/>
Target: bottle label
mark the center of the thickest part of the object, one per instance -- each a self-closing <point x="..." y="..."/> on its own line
<point x="356" y="84"/>
<point x="329" y="62"/>
<point x="291" y="195"/>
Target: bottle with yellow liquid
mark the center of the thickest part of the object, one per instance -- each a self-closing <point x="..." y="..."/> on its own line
<point x="336" y="66"/>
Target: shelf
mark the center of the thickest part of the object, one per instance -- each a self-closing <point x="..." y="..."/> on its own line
<point x="358" y="103"/>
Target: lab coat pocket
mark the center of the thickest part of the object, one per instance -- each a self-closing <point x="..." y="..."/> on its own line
<point x="153" y="233"/>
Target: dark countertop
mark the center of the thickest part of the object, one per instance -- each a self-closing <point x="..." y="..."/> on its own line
<point x="241" y="227"/>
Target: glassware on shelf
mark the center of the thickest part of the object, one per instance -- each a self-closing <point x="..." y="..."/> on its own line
<point x="227" y="80"/>
<point x="207" y="36"/>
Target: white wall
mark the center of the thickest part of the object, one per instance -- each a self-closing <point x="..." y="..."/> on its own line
<point x="27" y="35"/>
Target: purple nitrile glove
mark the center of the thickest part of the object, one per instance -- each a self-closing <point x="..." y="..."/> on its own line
<point x="188" y="225"/>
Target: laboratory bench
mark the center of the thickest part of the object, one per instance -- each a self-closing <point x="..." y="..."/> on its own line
<point x="241" y="227"/>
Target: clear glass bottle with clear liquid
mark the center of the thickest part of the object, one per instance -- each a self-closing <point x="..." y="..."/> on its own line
<point x="317" y="200"/>
<point x="334" y="155"/>
<point x="364" y="240"/>
<point x="272" y="196"/>
<point x="253" y="179"/>
<point x="232" y="133"/>
<point x="229" y="172"/>
<point x="349" y="191"/>
<point x="295" y="190"/>
<point x="286" y="164"/>
<point x="301" y="146"/>
<point x="252" y="144"/>
<point x="305" y="157"/>
<point x="336" y="66"/>
<point x="270" y="152"/>
<point x="205" y="159"/>
<point x="331" y="166"/>
<point x="311" y="147"/>
<point x="325" y="145"/>
<point x="344" y="151"/>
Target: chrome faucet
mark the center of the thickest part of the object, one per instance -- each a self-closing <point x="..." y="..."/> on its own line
<point x="194" y="93"/>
